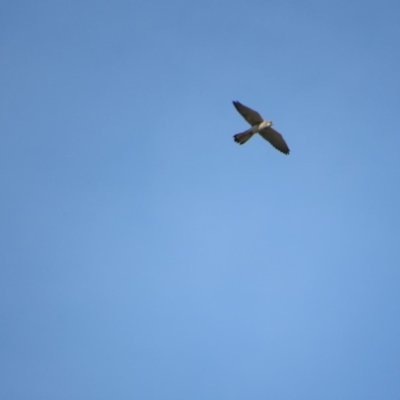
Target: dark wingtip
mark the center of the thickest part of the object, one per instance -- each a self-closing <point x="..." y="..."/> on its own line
<point x="237" y="140"/>
<point x="236" y="105"/>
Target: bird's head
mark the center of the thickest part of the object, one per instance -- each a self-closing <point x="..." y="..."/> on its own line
<point x="267" y="124"/>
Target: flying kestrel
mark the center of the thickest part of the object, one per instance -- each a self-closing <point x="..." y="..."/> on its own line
<point x="259" y="125"/>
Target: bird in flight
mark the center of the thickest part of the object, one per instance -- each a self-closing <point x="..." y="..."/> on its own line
<point x="259" y="125"/>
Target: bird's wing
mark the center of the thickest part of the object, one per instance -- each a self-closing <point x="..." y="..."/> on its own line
<point x="251" y="116"/>
<point x="275" y="138"/>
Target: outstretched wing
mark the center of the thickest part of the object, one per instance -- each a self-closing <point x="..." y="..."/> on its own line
<point x="251" y="116"/>
<point x="275" y="138"/>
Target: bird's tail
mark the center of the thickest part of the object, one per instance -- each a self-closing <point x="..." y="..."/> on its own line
<point x="243" y="137"/>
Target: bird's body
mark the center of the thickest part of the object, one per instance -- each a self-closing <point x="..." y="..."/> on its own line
<point x="260" y="126"/>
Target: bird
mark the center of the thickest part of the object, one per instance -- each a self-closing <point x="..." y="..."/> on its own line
<point x="261" y="126"/>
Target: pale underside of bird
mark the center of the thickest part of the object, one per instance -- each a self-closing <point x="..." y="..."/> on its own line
<point x="260" y="126"/>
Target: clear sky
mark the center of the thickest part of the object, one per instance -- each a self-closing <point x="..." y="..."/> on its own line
<point x="145" y="255"/>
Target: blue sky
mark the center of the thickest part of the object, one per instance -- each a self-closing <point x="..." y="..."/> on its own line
<point x="145" y="255"/>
